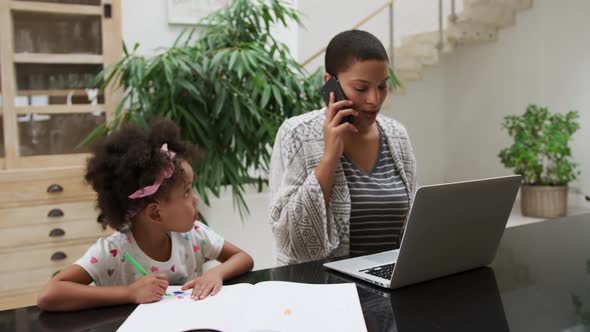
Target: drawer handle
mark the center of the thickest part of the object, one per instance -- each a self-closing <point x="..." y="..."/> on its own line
<point x="58" y="256"/>
<point x="55" y="273"/>
<point x="57" y="232"/>
<point x="55" y="213"/>
<point x="55" y="188"/>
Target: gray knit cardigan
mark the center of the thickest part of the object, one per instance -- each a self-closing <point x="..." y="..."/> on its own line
<point x="304" y="227"/>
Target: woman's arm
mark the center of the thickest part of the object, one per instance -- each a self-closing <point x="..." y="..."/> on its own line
<point x="300" y="218"/>
<point x="334" y="132"/>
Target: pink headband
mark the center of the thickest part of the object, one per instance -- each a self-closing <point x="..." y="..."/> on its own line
<point x="166" y="173"/>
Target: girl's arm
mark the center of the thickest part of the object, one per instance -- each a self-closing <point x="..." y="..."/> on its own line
<point x="69" y="290"/>
<point x="234" y="261"/>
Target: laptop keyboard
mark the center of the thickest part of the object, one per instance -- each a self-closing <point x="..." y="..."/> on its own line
<point x="382" y="271"/>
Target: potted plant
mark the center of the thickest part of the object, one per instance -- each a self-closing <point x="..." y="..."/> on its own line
<point x="228" y="86"/>
<point x="541" y="154"/>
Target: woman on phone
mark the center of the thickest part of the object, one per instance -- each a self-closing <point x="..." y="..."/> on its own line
<point x="342" y="178"/>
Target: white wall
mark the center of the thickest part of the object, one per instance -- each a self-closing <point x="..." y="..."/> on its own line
<point x="146" y="22"/>
<point x="423" y="111"/>
<point x="253" y="234"/>
<point x="322" y="20"/>
<point x="543" y="59"/>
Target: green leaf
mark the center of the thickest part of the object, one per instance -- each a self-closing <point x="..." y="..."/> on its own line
<point x="265" y="96"/>
<point x="277" y="94"/>
<point x="233" y="58"/>
<point x="219" y="102"/>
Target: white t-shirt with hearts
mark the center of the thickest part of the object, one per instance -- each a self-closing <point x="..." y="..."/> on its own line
<point x="107" y="266"/>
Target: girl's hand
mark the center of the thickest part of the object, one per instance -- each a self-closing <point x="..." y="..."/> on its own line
<point x="334" y="132"/>
<point x="149" y="288"/>
<point x="208" y="284"/>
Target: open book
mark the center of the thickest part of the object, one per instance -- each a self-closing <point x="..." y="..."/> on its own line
<point x="267" y="306"/>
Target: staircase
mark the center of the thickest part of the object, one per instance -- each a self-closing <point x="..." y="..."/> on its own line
<point x="479" y="22"/>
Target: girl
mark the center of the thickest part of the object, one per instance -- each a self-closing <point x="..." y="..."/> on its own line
<point x="144" y="186"/>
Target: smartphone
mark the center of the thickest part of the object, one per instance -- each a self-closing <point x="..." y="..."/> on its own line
<point x="332" y="85"/>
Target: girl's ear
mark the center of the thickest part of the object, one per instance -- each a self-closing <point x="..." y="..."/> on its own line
<point x="152" y="212"/>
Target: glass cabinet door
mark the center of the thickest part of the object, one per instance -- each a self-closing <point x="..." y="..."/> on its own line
<point x="70" y="2"/>
<point x="58" y="51"/>
<point x="55" y="109"/>
<point x="2" y="148"/>
<point x="56" y="84"/>
<point x="1" y="139"/>
<point x="56" y="33"/>
<point x="49" y="134"/>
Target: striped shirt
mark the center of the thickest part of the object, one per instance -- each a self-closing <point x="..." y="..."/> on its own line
<point x="379" y="203"/>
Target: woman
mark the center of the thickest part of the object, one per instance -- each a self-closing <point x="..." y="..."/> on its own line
<point x="339" y="188"/>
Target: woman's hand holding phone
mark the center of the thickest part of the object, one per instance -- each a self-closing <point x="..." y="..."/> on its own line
<point x="335" y="129"/>
<point x="334" y="133"/>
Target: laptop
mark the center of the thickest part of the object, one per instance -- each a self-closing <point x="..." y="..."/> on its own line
<point x="451" y="228"/>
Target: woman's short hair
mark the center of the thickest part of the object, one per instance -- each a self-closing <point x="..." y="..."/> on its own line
<point x="350" y="46"/>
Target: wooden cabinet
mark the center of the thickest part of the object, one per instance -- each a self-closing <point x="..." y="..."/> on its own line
<point x="50" y="52"/>
<point x="47" y="221"/>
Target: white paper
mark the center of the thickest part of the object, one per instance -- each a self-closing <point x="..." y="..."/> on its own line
<point x="266" y="306"/>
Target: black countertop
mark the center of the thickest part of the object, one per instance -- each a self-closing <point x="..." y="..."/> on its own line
<point x="539" y="281"/>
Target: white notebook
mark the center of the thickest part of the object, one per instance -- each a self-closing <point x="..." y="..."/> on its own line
<point x="267" y="306"/>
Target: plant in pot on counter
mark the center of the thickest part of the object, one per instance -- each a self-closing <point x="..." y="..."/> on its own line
<point x="542" y="155"/>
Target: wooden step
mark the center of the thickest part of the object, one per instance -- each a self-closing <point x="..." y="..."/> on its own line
<point x="426" y="54"/>
<point x="496" y="15"/>
<point x="516" y="4"/>
<point x="408" y="75"/>
<point x="471" y="32"/>
<point x="407" y="62"/>
<point x="523" y="4"/>
<point x="431" y="38"/>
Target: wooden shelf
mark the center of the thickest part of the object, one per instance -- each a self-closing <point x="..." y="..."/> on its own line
<point x="55" y="8"/>
<point x="59" y="109"/>
<point x="58" y="58"/>
<point x="55" y="93"/>
<point x="54" y="160"/>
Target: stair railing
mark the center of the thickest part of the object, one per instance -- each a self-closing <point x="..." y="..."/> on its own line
<point x="389" y="5"/>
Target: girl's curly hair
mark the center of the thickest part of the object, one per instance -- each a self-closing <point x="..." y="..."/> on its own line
<point x="130" y="159"/>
